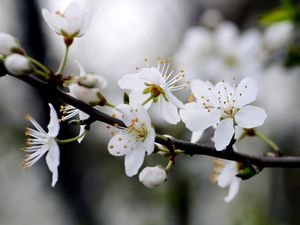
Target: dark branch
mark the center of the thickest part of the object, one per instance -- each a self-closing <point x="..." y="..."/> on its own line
<point x="187" y="147"/>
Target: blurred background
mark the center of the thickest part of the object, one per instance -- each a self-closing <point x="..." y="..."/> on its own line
<point x="93" y="188"/>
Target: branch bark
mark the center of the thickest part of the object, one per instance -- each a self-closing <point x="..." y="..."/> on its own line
<point x="188" y="148"/>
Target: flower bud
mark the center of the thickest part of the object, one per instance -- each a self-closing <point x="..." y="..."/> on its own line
<point x="18" y="64"/>
<point x="153" y="176"/>
<point x="7" y="44"/>
<point x="88" y="80"/>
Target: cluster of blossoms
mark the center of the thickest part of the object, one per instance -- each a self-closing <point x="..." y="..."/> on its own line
<point x="223" y="106"/>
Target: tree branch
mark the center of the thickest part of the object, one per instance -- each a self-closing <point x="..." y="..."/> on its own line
<point x="188" y="148"/>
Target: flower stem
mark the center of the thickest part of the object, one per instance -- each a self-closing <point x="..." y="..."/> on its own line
<point x="39" y="64"/>
<point x="41" y="73"/>
<point x="110" y="104"/>
<point x="147" y="100"/>
<point x="66" y="141"/>
<point x="268" y="141"/>
<point x="64" y="60"/>
<point x="169" y="165"/>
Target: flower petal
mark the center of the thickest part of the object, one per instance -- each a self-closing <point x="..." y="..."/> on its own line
<point x="52" y="160"/>
<point x="227" y="174"/>
<point x="134" y="160"/>
<point x="196" y="118"/>
<point x="152" y="75"/>
<point x="172" y="98"/>
<point x="137" y="98"/>
<point x="132" y="82"/>
<point x="50" y="20"/>
<point x="196" y="136"/>
<point x="233" y="189"/>
<point x="250" y="116"/>
<point x="169" y="111"/>
<point x="53" y="126"/>
<point x="245" y="92"/>
<point x="82" y="116"/>
<point x="81" y="69"/>
<point x="223" y="134"/>
<point x="120" y="144"/>
<point x="149" y="141"/>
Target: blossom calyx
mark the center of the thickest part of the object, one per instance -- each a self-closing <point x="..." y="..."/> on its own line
<point x="153" y="176"/>
<point x="18" y="64"/>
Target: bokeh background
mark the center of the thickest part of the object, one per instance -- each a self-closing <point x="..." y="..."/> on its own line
<point x="93" y="188"/>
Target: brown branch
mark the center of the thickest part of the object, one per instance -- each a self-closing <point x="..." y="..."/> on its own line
<point x="188" y="148"/>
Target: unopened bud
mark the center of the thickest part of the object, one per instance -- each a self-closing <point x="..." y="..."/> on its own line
<point x="153" y="176"/>
<point x="88" y="80"/>
<point x="18" y="64"/>
<point x="8" y="44"/>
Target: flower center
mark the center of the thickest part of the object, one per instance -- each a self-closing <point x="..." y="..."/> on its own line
<point x="139" y="132"/>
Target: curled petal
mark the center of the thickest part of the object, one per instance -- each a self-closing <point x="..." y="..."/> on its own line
<point x="250" y="116"/>
<point x="52" y="160"/>
<point x="53" y="126"/>
<point x="233" y="189"/>
<point x="223" y="134"/>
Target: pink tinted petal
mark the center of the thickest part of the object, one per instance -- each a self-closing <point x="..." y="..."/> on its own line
<point x="245" y="92"/>
<point x="53" y="126"/>
<point x="223" y="134"/>
<point x="250" y="116"/>
<point x="134" y="160"/>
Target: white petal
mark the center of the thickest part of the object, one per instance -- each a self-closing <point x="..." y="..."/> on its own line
<point x="132" y="82"/>
<point x="149" y="141"/>
<point x="52" y="160"/>
<point x="152" y="75"/>
<point x="223" y="134"/>
<point x="233" y="189"/>
<point x="169" y="111"/>
<point x="81" y="69"/>
<point x="49" y="18"/>
<point x="201" y="88"/>
<point x="250" y="116"/>
<point x="134" y="160"/>
<point x="196" y="118"/>
<point x="196" y="136"/>
<point x="227" y="174"/>
<point x="120" y="144"/>
<point x="137" y="98"/>
<point x="245" y="92"/>
<point x="73" y="15"/>
<point x="53" y="126"/>
<point x="223" y="91"/>
<point x="82" y="116"/>
<point x="173" y="99"/>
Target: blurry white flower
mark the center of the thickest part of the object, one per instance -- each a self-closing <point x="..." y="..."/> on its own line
<point x="153" y="176"/>
<point x="73" y="22"/>
<point x="88" y="87"/>
<point x="211" y="18"/>
<point x="133" y="141"/>
<point x="224" y="107"/>
<point x="278" y="36"/>
<point x="156" y="84"/>
<point x="221" y="53"/>
<point x="8" y="44"/>
<point x="225" y="172"/>
<point x="39" y="143"/>
<point x="17" y="64"/>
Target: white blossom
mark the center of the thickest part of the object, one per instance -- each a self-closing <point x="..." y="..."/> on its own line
<point x="8" y="44"/>
<point x="134" y="141"/>
<point x="225" y="175"/>
<point x="221" y="53"/>
<point x="73" y="22"/>
<point x="156" y="84"/>
<point x="41" y="142"/>
<point x="153" y="176"/>
<point x="224" y="107"/>
<point x="17" y="64"/>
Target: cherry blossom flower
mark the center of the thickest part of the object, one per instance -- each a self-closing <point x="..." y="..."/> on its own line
<point x="17" y="64"/>
<point x="155" y="85"/>
<point x="153" y="176"/>
<point x="73" y="22"/>
<point x="41" y="142"/>
<point x="8" y="44"/>
<point x="134" y="141"/>
<point x="87" y="89"/>
<point x="225" y="175"/>
<point x="224" y="107"/>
